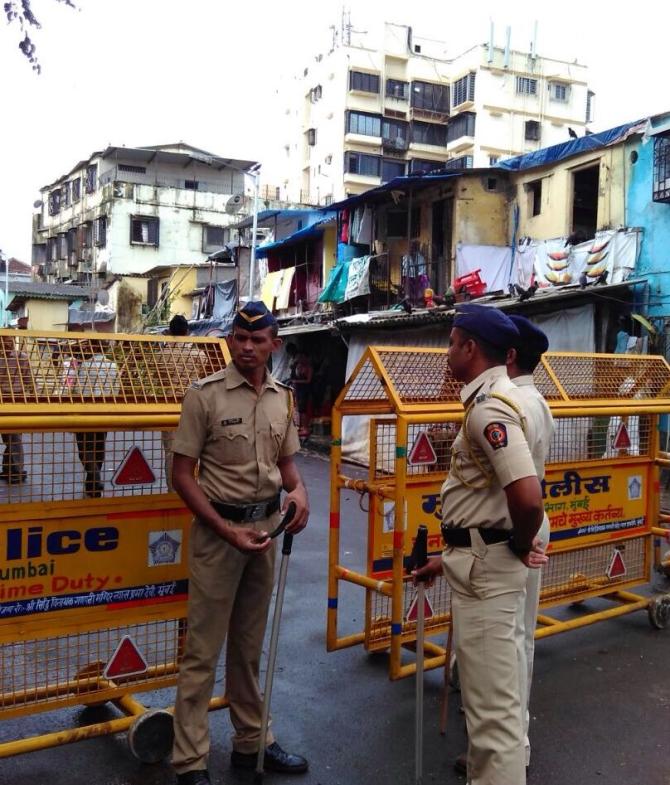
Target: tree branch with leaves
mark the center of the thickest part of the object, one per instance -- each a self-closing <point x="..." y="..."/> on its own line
<point x="20" y="13"/>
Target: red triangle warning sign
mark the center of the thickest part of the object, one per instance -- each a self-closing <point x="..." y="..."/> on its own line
<point x="617" y="568"/>
<point x="621" y="438"/>
<point x="134" y="469"/>
<point x="413" y="612"/>
<point x="126" y="660"/>
<point x="422" y="451"/>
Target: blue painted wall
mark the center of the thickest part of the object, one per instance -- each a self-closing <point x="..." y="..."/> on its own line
<point x="654" y="218"/>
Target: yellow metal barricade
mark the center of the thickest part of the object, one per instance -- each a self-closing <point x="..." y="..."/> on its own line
<point x="94" y="573"/>
<point x="601" y="488"/>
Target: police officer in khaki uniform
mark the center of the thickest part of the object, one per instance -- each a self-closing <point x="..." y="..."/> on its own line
<point x="236" y="426"/>
<point x="491" y="510"/>
<point x="522" y="360"/>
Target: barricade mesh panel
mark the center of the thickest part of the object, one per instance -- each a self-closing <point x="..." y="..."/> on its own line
<point x="48" y="670"/>
<point x="46" y="467"/>
<point x="378" y="630"/>
<point x="366" y="386"/>
<point x="606" y="377"/>
<point x="545" y="384"/>
<point x="574" y="572"/>
<point x="420" y="377"/>
<point x="36" y="369"/>
<point x="596" y="438"/>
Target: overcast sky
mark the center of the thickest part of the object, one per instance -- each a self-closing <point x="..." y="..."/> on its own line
<point x="143" y="72"/>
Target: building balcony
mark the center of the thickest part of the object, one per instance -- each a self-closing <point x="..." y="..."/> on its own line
<point x="427" y="149"/>
<point x="367" y="181"/>
<point x="396" y="144"/>
<point x="372" y="141"/>
<point x="460" y="144"/>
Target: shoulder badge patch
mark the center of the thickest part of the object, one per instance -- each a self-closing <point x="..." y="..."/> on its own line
<point x="495" y="434"/>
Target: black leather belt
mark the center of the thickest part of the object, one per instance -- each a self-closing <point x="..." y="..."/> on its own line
<point x="460" y="538"/>
<point x="247" y="513"/>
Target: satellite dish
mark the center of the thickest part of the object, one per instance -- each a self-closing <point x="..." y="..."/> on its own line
<point x="234" y="204"/>
<point x="38" y="203"/>
<point x="103" y="297"/>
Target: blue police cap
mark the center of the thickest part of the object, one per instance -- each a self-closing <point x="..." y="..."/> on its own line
<point x="254" y="316"/>
<point x="489" y="324"/>
<point x="531" y="339"/>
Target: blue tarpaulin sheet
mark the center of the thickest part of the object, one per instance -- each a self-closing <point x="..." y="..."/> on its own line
<point x="314" y="230"/>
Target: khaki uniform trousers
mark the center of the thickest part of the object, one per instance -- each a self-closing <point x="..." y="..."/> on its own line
<point x="229" y="595"/>
<point x="487" y="584"/>
<point x="525" y="636"/>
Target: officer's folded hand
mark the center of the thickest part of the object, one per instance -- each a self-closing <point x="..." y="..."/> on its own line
<point x="431" y="570"/>
<point x="248" y="540"/>
<point x="536" y="557"/>
<point x="299" y="497"/>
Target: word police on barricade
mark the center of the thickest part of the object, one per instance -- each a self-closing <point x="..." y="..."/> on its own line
<point x="88" y="526"/>
<point x="599" y="488"/>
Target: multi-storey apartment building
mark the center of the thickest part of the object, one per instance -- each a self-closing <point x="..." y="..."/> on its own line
<point x="360" y="115"/>
<point x="125" y="210"/>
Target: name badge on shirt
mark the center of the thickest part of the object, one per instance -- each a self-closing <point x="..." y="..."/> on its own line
<point x="232" y="421"/>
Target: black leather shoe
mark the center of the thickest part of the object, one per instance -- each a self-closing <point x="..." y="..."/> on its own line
<point x="275" y="760"/>
<point x="198" y="777"/>
<point x="461" y="764"/>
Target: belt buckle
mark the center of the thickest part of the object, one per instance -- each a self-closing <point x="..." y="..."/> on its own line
<point x="254" y="512"/>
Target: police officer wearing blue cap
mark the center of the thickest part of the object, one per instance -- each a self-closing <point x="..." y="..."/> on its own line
<point x="522" y="360"/>
<point x="491" y="511"/>
<point x="236" y="426"/>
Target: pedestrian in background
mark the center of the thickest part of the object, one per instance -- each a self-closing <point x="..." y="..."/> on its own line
<point x="236" y="427"/>
<point x="16" y="386"/>
<point x="97" y="380"/>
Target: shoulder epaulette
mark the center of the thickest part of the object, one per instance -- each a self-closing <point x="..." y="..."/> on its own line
<point x="215" y="377"/>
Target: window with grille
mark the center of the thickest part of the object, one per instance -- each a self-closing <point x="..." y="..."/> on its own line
<point x="213" y="238"/>
<point x="391" y="169"/>
<point x="366" y="83"/>
<point x="532" y="130"/>
<point x="461" y="125"/>
<point x="422" y="165"/>
<point x="62" y="246"/>
<point x="395" y="134"/>
<point x="590" y="95"/>
<point x="100" y="231"/>
<point x="559" y="91"/>
<point x="76" y="189"/>
<point x="493" y="160"/>
<point x="65" y="195"/>
<point x="661" y="192"/>
<point x="364" y="123"/>
<point x="534" y="190"/>
<point x="430" y="97"/>
<point x="144" y="230"/>
<point x="132" y="168"/>
<point x="360" y="163"/>
<point x="526" y="86"/>
<point x="54" y="202"/>
<point x="429" y="133"/>
<point x="311" y="136"/>
<point x="462" y="162"/>
<point x="191" y="185"/>
<point x="463" y="89"/>
<point x="397" y="89"/>
<point x="91" y="178"/>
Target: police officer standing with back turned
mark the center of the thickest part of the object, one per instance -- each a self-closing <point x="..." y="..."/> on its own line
<point x="237" y="426"/>
<point x="491" y="512"/>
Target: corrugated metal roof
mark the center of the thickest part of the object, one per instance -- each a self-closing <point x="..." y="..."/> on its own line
<point x="442" y="314"/>
<point x="49" y="291"/>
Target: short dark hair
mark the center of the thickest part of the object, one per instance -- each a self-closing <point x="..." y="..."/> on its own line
<point x="492" y="353"/>
<point x="178" y="325"/>
<point x="527" y="361"/>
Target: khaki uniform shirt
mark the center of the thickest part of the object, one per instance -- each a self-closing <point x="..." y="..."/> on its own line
<point x="494" y="455"/>
<point x="539" y="422"/>
<point x="237" y="435"/>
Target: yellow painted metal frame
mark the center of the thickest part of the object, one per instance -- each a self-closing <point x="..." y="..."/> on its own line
<point x="387" y="398"/>
<point x="91" y="688"/>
